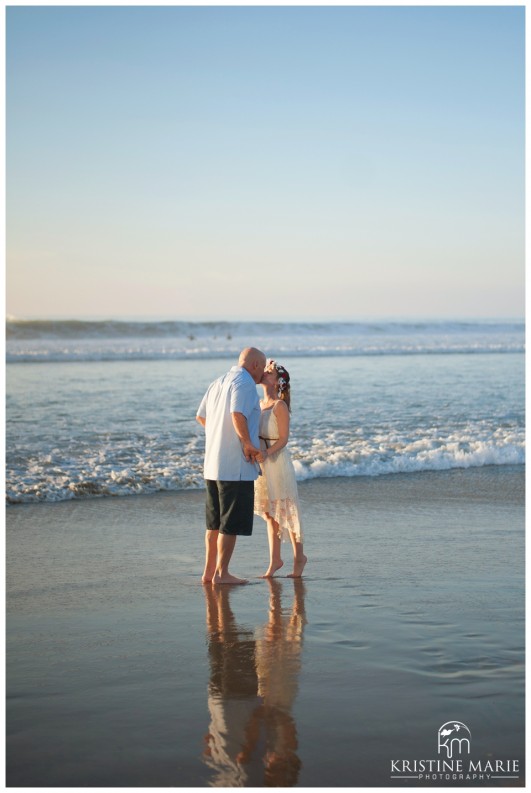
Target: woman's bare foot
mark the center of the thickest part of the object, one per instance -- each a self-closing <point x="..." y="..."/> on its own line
<point x="227" y="578"/>
<point x="298" y="567"/>
<point x="272" y="569"/>
<point x="207" y="576"/>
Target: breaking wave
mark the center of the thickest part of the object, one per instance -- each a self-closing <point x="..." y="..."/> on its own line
<point x="112" y="340"/>
<point x="148" y="468"/>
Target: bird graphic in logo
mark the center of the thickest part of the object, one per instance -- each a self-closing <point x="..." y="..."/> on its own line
<point x="460" y="739"/>
<point x="444" y="733"/>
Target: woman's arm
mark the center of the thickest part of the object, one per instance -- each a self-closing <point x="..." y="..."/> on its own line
<point x="282" y="416"/>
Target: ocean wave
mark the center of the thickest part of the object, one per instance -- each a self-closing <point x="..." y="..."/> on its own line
<point x="112" y="329"/>
<point x="78" y="341"/>
<point x="442" y="459"/>
<point x="51" y="478"/>
<point x="40" y="351"/>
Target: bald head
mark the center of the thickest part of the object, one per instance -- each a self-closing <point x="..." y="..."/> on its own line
<point x="253" y="361"/>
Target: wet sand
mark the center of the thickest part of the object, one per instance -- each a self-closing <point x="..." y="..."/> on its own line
<point x="124" y="671"/>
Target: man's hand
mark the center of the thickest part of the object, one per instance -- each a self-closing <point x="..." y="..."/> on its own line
<point x="250" y="452"/>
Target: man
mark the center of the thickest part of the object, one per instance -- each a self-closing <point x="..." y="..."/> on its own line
<point x="230" y="414"/>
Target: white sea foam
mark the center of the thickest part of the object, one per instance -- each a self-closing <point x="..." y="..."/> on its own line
<point x="448" y="456"/>
<point x="120" y="471"/>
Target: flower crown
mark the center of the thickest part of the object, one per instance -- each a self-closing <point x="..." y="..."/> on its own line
<point x="283" y="376"/>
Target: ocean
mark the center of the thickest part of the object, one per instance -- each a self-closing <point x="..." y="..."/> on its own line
<point x="99" y="408"/>
<point x="123" y="670"/>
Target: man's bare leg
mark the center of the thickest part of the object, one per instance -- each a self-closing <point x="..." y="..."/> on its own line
<point x="226" y="543"/>
<point x="275" y="562"/>
<point x="299" y="559"/>
<point x="212" y="618"/>
<point x="211" y="547"/>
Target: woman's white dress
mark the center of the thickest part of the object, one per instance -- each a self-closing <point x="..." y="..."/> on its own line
<point x="275" y="491"/>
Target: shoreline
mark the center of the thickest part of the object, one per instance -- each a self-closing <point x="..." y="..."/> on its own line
<point x="300" y="483"/>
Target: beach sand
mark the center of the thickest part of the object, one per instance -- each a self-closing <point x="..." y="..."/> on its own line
<point x="123" y="670"/>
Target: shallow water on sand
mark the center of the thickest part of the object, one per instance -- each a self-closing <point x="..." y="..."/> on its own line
<point x="124" y="671"/>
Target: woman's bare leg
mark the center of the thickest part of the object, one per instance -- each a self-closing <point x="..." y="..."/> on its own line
<point x="299" y="559"/>
<point x="275" y="562"/>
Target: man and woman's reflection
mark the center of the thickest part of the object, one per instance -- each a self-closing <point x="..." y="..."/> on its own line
<point x="252" y="738"/>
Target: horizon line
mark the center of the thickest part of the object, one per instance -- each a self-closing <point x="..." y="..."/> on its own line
<point x="291" y="321"/>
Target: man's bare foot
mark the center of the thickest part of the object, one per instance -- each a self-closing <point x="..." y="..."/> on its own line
<point x="298" y="567"/>
<point x="227" y="578"/>
<point x="272" y="569"/>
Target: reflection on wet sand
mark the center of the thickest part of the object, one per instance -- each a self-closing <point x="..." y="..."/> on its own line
<point x="252" y="738"/>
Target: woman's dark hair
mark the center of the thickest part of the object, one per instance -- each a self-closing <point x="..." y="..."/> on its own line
<point x="284" y="388"/>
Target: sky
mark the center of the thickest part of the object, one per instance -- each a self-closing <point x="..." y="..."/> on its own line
<point x="265" y="162"/>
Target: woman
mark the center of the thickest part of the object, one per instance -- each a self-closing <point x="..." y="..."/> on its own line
<point x="275" y="497"/>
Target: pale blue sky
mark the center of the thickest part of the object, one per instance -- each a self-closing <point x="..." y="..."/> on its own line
<point x="265" y="162"/>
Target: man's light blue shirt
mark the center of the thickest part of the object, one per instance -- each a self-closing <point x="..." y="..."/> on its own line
<point x="234" y="392"/>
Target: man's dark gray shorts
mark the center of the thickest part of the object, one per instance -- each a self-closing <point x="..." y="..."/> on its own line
<point x="230" y="507"/>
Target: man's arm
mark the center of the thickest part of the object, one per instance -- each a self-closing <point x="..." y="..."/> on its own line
<point x="242" y="431"/>
<point x="201" y="412"/>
